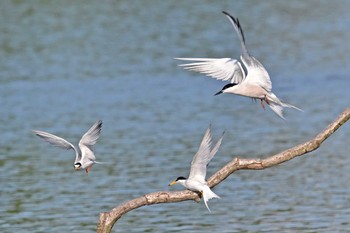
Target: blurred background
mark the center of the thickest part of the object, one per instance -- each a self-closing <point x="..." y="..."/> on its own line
<point x="66" y="64"/>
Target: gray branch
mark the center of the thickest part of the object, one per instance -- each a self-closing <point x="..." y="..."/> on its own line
<point x="108" y="219"/>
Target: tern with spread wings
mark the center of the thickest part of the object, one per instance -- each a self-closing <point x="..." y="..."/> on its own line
<point x="250" y="80"/>
<point x="84" y="156"/>
<point x="196" y="180"/>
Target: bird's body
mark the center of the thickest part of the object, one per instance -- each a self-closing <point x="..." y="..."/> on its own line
<point x="196" y="180"/>
<point x="201" y="187"/>
<point x="84" y="154"/>
<point x="247" y="89"/>
<point x="250" y="80"/>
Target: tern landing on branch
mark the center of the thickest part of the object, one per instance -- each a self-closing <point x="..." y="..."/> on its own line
<point x="251" y="81"/>
<point x="84" y="158"/>
<point x="196" y="180"/>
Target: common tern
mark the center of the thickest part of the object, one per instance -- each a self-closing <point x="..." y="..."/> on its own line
<point x="84" y="158"/>
<point x="196" y="180"/>
<point x="251" y="81"/>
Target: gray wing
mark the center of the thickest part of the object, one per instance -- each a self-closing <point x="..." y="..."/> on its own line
<point x="237" y="26"/>
<point x="257" y="74"/>
<point x="225" y="69"/>
<point x="89" y="139"/>
<point x="54" y="140"/>
<point x="215" y="149"/>
<point x="203" y="156"/>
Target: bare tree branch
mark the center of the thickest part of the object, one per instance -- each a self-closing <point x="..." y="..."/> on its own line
<point x="108" y="219"/>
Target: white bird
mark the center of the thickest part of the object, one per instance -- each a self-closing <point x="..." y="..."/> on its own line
<point x="251" y="81"/>
<point x="84" y="158"/>
<point x="196" y="180"/>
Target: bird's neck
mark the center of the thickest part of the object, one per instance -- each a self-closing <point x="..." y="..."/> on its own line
<point x="182" y="182"/>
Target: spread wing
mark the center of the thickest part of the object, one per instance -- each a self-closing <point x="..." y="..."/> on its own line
<point x="203" y="156"/>
<point x="225" y="69"/>
<point x="215" y="149"/>
<point x="256" y="72"/>
<point x="89" y="139"/>
<point x="54" y="140"/>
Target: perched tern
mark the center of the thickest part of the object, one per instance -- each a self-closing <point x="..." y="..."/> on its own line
<point x="251" y="81"/>
<point x="196" y="180"/>
<point x="84" y="158"/>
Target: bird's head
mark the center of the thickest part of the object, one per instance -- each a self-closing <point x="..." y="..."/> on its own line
<point x="178" y="179"/>
<point x="77" y="166"/>
<point x="225" y="87"/>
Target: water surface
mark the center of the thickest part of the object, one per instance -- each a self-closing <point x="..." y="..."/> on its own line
<point x="64" y="64"/>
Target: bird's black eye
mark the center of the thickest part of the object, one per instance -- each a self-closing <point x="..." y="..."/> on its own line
<point x="180" y="178"/>
<point x="229" y="85"/>
<point x="77" y="164"/>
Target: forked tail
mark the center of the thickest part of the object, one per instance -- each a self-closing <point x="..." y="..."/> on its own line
<point x="277" y="105"/>
<point x="98" y="162"/>
<point x="207" y="195"/>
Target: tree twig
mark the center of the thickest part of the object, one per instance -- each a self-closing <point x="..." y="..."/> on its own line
<point x="108" y="219"/>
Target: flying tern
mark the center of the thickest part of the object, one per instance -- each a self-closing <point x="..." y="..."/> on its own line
<point x="196" y="180"/>
<point x="84" y="156"/>
<point x="250" y="80"/>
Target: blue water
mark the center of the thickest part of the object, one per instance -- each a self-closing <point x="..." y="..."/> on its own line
<point x="64" y="64"/>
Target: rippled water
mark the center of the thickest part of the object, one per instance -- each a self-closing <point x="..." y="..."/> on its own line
<point x="64" y="64"/>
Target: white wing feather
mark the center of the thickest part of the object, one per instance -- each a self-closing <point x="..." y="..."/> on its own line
<point x="225" y="69"/>
<point x="88" y="140"/>
<point x="54" y="140"/>
<point x="256" y="72"/>
<point x="202" y="158"/>
<point x="215" y="149"/>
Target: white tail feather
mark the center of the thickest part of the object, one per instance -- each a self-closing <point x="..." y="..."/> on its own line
<point x="277" y="105"/>
<point x="207" y="195"/>
<point x="277" y="108"/>
<point x="291" y="106"/>
<point x="98" y="162"/>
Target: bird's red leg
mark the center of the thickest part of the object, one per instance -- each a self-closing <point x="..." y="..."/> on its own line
<point x="262" y="104"/>
<point x="88" y="169"/>
<point x="266" y="100"/>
